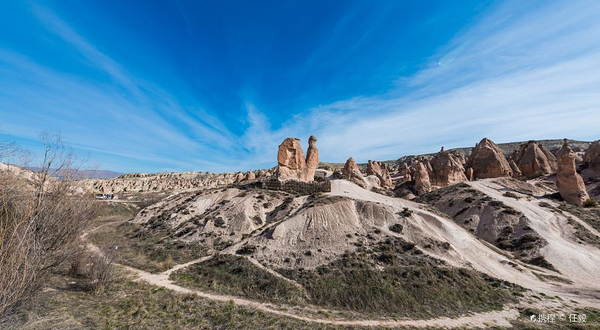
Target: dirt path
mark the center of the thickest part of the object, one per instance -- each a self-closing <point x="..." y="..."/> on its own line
<point x="494" y="318"/>
<point x="466" y="248"/>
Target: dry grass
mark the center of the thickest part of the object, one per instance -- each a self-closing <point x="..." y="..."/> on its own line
<point x="237" y="276"/>
<point x="132" y="305"/>
<point x="153" y="251"/>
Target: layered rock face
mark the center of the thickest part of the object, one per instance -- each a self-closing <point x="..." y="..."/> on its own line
<point x="352" y="173"/>
<point x="447" y="169"/>
<point x="381" y="171"/>
<point x="144" y="182"/>
<point x="534" y="160"/>
<point x="488" y="161"/>
<point x="422" y="182"/>
<point x="570" y="184"/>
<point x="405" y="173"/>
<point x="592" y="155"/>
<point x="291" y="164"/>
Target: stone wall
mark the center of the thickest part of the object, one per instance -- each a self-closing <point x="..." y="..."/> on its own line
<point x="303" y="188"/>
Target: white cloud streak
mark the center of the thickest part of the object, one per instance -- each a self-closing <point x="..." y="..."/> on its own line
<point x="517" y="74"/>
<point x="522" y="71"/>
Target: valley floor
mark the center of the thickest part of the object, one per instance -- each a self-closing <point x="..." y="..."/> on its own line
<point x="155" y="298"/>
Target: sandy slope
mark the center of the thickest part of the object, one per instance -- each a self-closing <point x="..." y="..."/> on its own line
<point x="480" y="320"/>
<point x="577" y="262"/>
<point x="467" y="249"/>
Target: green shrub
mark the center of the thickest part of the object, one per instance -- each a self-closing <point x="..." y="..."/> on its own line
<point x="396" y="228"/>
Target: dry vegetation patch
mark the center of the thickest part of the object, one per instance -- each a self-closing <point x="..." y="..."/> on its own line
<point x="233" y="275"/>
<point x="394" y="278"/>
<point x="152" y="251"/>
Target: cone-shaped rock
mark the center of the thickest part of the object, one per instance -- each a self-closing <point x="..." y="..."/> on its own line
<point x="534" y="160"/>
<point x="447" y="169"/>
<point x="351" y="172"/>
<point x="488" y="161"/>
<point x="422" y="182"/>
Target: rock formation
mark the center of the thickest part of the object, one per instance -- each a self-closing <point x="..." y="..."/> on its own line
<point x="534" y="160"/>
<point x="142" y="182"/>
<point x="488" y="161"/>
<point x="447" y="169"/>
<point x="381" y="171"/>
<point x="405" y="173"/>
<point x="469" y="173"/>
<point x="239" y="177"/>
<point x="312" y="158"/>
<point x="250" y="176"/>
<point x="422" y="183"/>
<point x="515" y="168"/>
<point x="291" y="164"/>
<point x="569" y="183"/>
<point x="351" y="172"/>
<point x="592" y="155"/>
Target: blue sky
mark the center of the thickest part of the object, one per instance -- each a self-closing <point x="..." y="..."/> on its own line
<point x="217" y="85"/>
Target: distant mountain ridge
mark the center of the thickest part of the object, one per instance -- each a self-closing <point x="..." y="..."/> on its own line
<point x="81" y="174"/>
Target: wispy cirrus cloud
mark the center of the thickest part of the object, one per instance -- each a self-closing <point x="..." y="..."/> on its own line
<point x="523" y="71"/>
<point x="520" y="71"/>
<point x="129" y="122"/>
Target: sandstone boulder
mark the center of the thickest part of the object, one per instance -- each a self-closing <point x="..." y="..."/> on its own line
<point x="380" y="170"/>
<point x="239" y="177"/>
<point x="488" y="161"/>
<point x="422" y="182"/>
<point x="515" y="168"/>
<point x="352" y="173"/>
<point x="534" y="159"/>
<point x="570" y="184"/>
<point x="250" y="176"/>
<point x="447" y="169"/>
<point x="592" y="155"/>
<point x="291" y="164"/>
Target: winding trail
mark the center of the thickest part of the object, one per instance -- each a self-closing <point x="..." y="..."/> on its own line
<point x="499" y="318"/>
<point x="487" y="319"/>
<point x="582" y="270"/>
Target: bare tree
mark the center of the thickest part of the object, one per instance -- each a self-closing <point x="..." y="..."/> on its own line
<point x="41" y="219"/>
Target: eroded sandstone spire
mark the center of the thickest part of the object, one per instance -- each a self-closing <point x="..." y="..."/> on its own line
<point x="570" y="184"/>
<point x="351" y="172"/>
<point x="422" y="182"/>
<point x="291" y="164"/>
